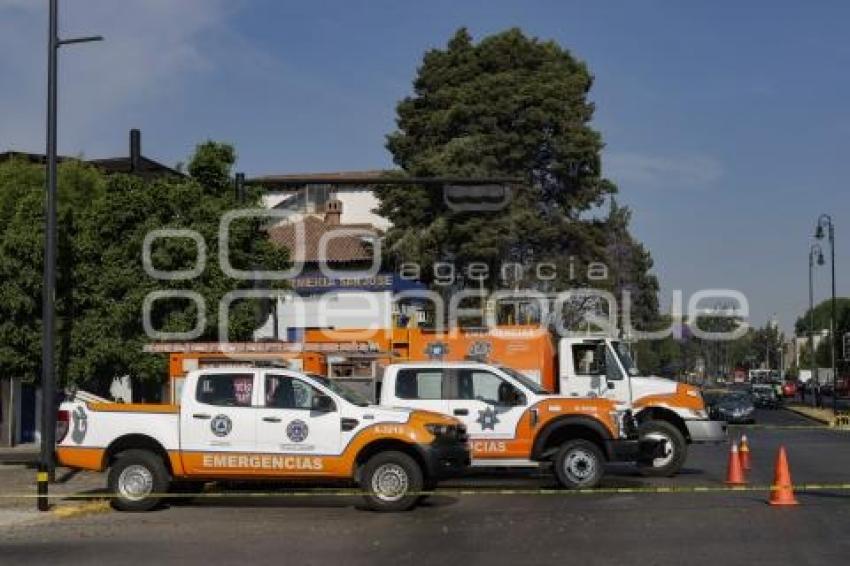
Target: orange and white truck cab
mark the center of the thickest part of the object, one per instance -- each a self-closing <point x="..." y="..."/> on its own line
<point x="665" y="409"/>
<point x="512" y="421"/>
<point x="259" y="423"/>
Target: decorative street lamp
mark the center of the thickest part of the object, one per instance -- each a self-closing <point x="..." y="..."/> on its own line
<point x="815" y="254"/>
<point x="46" y="467"/>
<point x="825" y="221"/>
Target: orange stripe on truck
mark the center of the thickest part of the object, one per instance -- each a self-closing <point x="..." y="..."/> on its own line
<point x="80" y="458"/>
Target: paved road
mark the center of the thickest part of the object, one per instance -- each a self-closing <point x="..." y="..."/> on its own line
<point x="489" y="529"/>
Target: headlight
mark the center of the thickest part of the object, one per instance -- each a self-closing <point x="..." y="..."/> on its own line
<point x="625" y="421"/>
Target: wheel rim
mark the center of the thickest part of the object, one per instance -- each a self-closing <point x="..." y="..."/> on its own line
<point x="580" y="465"/>
<point x="669" y="449"/>
<point x="135" y="482"/>
<point x="390" y="482"/>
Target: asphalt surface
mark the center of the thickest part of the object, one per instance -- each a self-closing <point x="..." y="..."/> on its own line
<point x="714" y="527"/>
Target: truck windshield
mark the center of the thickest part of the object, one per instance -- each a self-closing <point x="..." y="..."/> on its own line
<point x="525" y="380"/>
<point x="351" y="396"/>
<point x="625" y="358"/>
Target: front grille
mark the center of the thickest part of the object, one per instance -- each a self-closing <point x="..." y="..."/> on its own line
<point x="461" y="434"/>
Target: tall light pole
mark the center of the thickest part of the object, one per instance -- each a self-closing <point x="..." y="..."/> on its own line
<point x="815" y="253"/>
<point x="46" y="468"/>
<point x="825" y="220"/>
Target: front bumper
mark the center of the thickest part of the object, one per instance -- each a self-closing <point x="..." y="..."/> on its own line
<point x="706" y="431"/>
<point x="444" y="459"/>
<point x="634" y="450"/>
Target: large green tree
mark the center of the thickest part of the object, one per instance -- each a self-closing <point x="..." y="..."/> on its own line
<point x="102" y="283"/>
<point x="506" y="106"/>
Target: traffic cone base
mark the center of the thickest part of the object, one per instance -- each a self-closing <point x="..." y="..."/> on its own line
<point x="782" y="492"/>
<point x="735" y="474"/>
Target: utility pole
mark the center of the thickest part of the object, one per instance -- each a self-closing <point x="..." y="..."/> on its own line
<point x="47" y="466"/>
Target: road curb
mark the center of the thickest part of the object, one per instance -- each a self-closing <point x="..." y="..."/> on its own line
<point x="803" y="412"/>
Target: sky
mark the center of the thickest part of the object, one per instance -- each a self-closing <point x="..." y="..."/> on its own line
<point x="726" y="123"/>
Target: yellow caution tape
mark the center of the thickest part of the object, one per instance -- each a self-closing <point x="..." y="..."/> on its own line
<point x="325" y="492"/>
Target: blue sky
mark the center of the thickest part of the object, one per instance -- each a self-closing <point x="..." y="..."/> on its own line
<point x="726" y="123"/>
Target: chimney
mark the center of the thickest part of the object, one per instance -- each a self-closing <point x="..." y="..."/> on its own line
<point x="333" y="211"/>
<point x="135" y="150"/>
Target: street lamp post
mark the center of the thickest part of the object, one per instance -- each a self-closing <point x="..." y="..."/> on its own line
<point x="815" y="253"/>
<point x="48" y="371"/>
<point x="825" y="221"/>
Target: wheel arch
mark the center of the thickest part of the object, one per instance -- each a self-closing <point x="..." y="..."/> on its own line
<point x="664" y="414"/>
<point x="561" y="429"/>
<point x="388" y="445"/>
<point x="135" y="442"/>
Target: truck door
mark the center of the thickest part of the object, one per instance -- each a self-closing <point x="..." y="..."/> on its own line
<point x="582" y="370"/>
<point x="289" y="420"/>
<point x="423" y="388"/>
<point x="217" y="417"/>
<point x="590" y="368"/>
<point x="490" y="406"/>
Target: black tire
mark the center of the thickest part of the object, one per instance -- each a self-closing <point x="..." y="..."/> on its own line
<point x="400" y="472"/>
<point x="676" y="443"/>
<point x="579" y="464"/>
<point x="149" y="469"/>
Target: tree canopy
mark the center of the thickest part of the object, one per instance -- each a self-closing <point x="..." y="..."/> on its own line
<point x="103" y="221"/>
<point x="507" y="106"/>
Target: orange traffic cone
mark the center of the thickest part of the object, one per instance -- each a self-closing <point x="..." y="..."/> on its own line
<point x="782" y="492"/>
<point x="735" y="475"/>
<point x="744" y="452"/>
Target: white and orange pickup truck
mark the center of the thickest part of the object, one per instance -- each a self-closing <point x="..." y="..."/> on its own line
<point x="513" y="422"/>
<point x="260" y="423"/>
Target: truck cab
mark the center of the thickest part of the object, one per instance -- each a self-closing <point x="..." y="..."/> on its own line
<point x="513" y="421"/>
<point x="665" y="409"/>
<point x="261" y="423"/>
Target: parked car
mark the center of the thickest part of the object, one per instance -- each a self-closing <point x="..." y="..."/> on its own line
<point x="765" y="397"/>
<point x="734" y="406"/>
<point x="789" y="389"/>
<point x="261" y="424"/>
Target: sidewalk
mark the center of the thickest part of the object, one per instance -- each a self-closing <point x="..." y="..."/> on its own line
<point x="21" y="454"/>
<point x="822" y="415"/>
<point x="18" y="491"/>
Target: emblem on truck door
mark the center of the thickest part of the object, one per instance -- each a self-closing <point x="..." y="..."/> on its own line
<point x="488" y="419"/>
<point x="221" y="425"/>
<point x="297" y="431"/>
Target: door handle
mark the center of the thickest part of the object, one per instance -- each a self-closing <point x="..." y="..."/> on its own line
<point x="461" y="412"/>
<point x="200" y="416"/>
<point x="271" y="419"/>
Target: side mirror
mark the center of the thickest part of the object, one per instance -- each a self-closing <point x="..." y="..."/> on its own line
<point x="322" y="404"/>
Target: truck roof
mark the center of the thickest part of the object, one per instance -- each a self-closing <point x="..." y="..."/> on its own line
<point x="436" y="363"/>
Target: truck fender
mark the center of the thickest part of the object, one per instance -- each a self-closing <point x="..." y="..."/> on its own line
<point x="137" y="442"/>
<point x="571" y="426"/>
